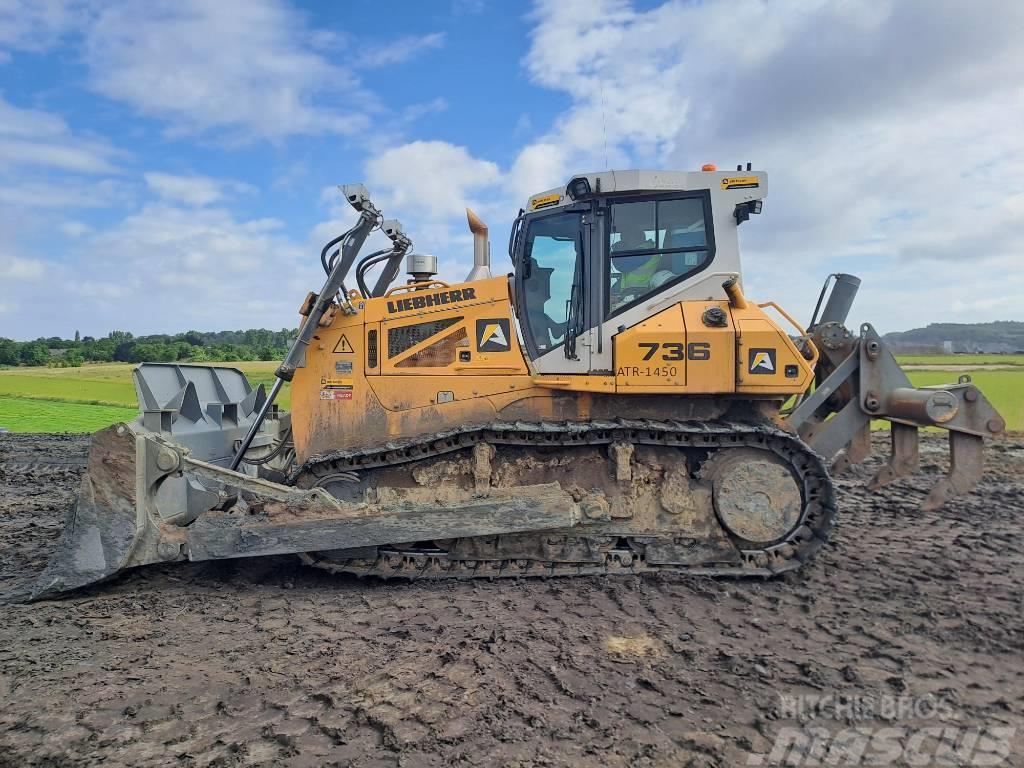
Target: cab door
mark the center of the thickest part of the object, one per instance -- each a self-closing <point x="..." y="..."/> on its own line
<point x="552" y="273"/>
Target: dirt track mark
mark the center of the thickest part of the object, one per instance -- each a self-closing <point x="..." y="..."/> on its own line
<point x="265" y="662"/>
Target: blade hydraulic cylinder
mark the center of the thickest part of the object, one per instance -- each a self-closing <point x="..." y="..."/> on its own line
<point x="369" y="217"/>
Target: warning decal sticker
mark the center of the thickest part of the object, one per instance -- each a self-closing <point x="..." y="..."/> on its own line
<point x="344" y="346"/>
<point x="740" y="182"/>
<point x="335" y="389"/>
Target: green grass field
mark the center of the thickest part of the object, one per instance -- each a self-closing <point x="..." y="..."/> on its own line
<point x="94" y="396"/>
<point x="88" y="398"/>
<point x="22" y="414"/>
<point x="971" y="360"/>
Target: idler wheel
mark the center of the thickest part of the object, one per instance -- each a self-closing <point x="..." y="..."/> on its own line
<point x="756" y="496"/>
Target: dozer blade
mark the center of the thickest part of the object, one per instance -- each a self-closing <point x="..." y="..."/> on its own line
<point x="100" y="525"/>
<point x="145" y="500"/>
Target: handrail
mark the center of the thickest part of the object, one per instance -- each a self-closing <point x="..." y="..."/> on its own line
<point x="418" y="286"/>
<point x="803" y="333"/>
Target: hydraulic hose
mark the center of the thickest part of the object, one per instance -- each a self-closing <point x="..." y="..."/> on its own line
<point x="323" y="254"/>
<point x="374" y="258"/>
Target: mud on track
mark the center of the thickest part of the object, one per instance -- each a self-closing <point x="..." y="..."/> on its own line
<point x="265" y="662"/>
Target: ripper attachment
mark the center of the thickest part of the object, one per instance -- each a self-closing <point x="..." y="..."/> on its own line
<point x="858" y="380"/>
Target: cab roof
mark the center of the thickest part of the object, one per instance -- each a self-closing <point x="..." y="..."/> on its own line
<point x="752" y="183"/>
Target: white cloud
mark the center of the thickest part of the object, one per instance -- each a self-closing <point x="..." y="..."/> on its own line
<point x="34" y="25"/>
<point x="192" y="190"/>
<point x="244" y="67"/>
<point x="538" y="167"/>
<point x="95" y="289"/>
<point x="44" y="165"/>
<point x="166" y="239"/>
<point x="23" y="193"/>
<point x="16" y="268"/>
<point x="16" y="121"/>
<point x="168" y="268"/>
<point x="75" y="229"/>
<point x="400" y="50"/>
<point x="414" y="112"/>
<point x="33" y="138"/>
<point x="434" y="177"/>
<point x="77" y="159"/>
<point x="893" y="145"/>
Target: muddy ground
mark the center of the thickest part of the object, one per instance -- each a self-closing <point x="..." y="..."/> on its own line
<point x="906" y="621"/>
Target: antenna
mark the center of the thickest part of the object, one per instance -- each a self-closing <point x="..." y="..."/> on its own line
<point x="604" y="126"/>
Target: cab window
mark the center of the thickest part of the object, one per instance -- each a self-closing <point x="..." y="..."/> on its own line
<point x="552" y="261"/>
<point x="653" y="244"/>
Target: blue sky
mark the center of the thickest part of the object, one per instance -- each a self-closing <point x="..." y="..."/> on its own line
<point x="171" y="165"/>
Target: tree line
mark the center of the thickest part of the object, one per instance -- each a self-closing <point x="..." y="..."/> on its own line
<point x="123" y="347"/>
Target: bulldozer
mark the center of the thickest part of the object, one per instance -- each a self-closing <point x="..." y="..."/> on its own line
<point x="615" y="404"/>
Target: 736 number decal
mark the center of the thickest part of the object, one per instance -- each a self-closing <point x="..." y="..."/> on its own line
<point x="672" y="350"/>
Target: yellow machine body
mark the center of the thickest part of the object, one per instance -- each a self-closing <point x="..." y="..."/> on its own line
<point x="615" y="405"/>
<point x="429" y="357"/>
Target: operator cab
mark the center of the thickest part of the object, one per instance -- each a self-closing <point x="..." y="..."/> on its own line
<point x="613" y="247"/>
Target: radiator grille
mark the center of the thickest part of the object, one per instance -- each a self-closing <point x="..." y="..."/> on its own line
<point x="408" y="336"/>
<point x="439" y="354"/>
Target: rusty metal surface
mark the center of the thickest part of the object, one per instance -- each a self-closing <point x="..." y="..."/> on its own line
<point x="216" y="513"/>
<point x="100" y="527"/>
<point x="126" y="516"/>
<point x="278" y="530"/>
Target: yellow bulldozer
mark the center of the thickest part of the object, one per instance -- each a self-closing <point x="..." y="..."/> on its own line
<point x="616" y="404"/>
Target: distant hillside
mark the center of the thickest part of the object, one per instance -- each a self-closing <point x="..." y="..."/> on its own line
<point x="1003" y="336"/>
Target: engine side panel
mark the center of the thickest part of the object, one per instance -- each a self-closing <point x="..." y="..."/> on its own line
<point x="418" y="362"/>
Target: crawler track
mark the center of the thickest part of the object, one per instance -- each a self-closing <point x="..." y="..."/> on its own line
<point x="435" y="562"/>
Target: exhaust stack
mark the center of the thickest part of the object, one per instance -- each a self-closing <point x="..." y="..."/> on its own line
<point x="481" y="248"/>
<point x="837" y="308"/>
